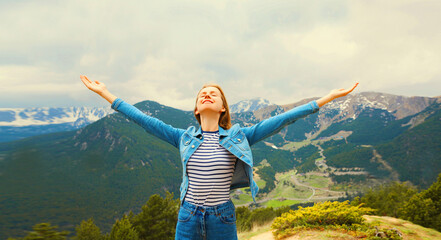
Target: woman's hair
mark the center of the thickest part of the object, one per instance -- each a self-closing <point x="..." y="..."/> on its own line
<point x="224" y="119"/>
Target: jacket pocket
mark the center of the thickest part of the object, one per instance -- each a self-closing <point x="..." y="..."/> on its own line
<point x="238" y="138"/>
<point x="241" y="142"/>
<point x="185" y="139"/>
<point x="185" y="142"/>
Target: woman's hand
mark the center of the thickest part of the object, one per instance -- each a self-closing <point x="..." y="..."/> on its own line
<point x="336" y="93"/>
<point x="96" y="86"/>
<point x="99" y="88"/>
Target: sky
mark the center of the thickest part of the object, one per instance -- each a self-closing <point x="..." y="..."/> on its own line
<point x="164" y="51"/>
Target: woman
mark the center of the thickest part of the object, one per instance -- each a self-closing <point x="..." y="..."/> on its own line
<point x="216" y="156"/>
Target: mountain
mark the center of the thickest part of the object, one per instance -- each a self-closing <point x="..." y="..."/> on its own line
<point x="416" y="154"/>
<point x="101" y="170"/>
<point x="18" y="123"/>
<point x="112" y="166"/>
<point x="362" y="111"/>
<point x="250" y="105"/>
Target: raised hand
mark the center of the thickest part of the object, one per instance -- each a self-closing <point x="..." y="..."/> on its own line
<point x="336" y="93"/>
<point x="96" y="86"/>
<point x="99" y="88"/>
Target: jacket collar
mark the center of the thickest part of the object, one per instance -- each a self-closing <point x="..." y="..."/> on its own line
<point x="222" y="132"/>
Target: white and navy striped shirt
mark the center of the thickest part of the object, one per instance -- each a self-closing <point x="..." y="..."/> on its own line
<point x="210" y="170"/>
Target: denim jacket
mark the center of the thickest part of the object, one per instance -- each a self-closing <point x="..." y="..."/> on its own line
<point x="237" y="139"/>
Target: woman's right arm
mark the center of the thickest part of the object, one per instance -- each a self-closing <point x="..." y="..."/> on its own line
<point x="152" y="125"/>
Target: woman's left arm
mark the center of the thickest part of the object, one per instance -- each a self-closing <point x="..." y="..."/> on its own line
<point x="273" y="125"/>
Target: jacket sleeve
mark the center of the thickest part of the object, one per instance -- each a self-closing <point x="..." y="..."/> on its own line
<point x="273" y="125"/>
<point x="151" y="125"/>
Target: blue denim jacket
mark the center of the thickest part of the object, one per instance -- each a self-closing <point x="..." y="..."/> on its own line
<point x="237" y="139"/>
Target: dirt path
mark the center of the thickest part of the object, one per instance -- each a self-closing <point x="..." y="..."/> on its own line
<point x="386" y="165"/>
<point x="336" y="194"/>
<point x="335" y="171"/>
<point x="296" y="181"/>
<point x="269" y="236"/>
<point x="264" y="236"/>
<point x="322" y="163"/>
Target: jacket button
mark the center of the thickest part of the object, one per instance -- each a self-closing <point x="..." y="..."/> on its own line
<point x="238" y="139"/>
<point x="183" y="159"/>
<point x="192" y="146"/>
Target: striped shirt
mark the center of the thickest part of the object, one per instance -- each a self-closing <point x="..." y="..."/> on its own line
<point x="210" y="170"/>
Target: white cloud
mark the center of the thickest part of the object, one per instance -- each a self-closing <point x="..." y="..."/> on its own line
<point x="165" y="50"/>
<point x="392" y="54"/>
<point x="321" y="44"/>
<point x="17" y="77"/>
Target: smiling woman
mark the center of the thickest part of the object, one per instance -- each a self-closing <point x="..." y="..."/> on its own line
<point x="216" y="156"/>
<point x="211" y="102"/>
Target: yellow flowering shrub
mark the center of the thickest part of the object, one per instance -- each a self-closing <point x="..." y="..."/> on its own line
<point x="340" y="215"/>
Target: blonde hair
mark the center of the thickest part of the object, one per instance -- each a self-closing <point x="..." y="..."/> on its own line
<point x="224" y="119"/>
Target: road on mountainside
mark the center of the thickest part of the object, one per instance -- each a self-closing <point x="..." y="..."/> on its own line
<point x="336" y="194"/>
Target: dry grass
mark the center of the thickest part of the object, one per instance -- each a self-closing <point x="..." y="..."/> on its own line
<point x="410" y="231"/>
<point x="256" y="231"/>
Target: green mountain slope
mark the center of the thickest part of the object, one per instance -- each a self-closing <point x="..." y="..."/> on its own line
<point x="100" y="171"/>
<point x="372" y="126"/>
<point x="416" y="154"/>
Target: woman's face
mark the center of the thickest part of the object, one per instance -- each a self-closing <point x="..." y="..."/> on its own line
<point x="209" y="100"/>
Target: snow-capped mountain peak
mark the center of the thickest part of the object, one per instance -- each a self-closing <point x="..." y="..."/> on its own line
<point x="249" y="105"/>
<point x="18" y="117"/>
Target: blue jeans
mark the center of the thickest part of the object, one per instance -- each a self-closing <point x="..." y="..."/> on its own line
<point x="206" y="223"/>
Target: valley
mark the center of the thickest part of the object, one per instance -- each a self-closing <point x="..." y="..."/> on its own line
<point x="293" y="187"/>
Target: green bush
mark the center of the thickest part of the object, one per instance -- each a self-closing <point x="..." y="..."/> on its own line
<point x="424" y="208"/>
<point x="246" y="218"/>
<point x="44" y="231"/>
<point x="387" y="199"/>
<point x="243" y="220"/>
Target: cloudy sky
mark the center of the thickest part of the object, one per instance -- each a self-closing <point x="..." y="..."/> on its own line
<point x="164" y="51"/>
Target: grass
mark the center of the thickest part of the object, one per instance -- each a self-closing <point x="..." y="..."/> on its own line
<point x="243" y="199"/>
<point x="261" y="183"/>
<point x="277" y="203"/>
<point x="319" y="159"/>
<point x="255" y="231"/>
<point x="290" y="193"/>
<point x="315" y="181"/>
<point x="410" y="230"/>
<point x="284" y="188"/>
<point x="295" y="145"/>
